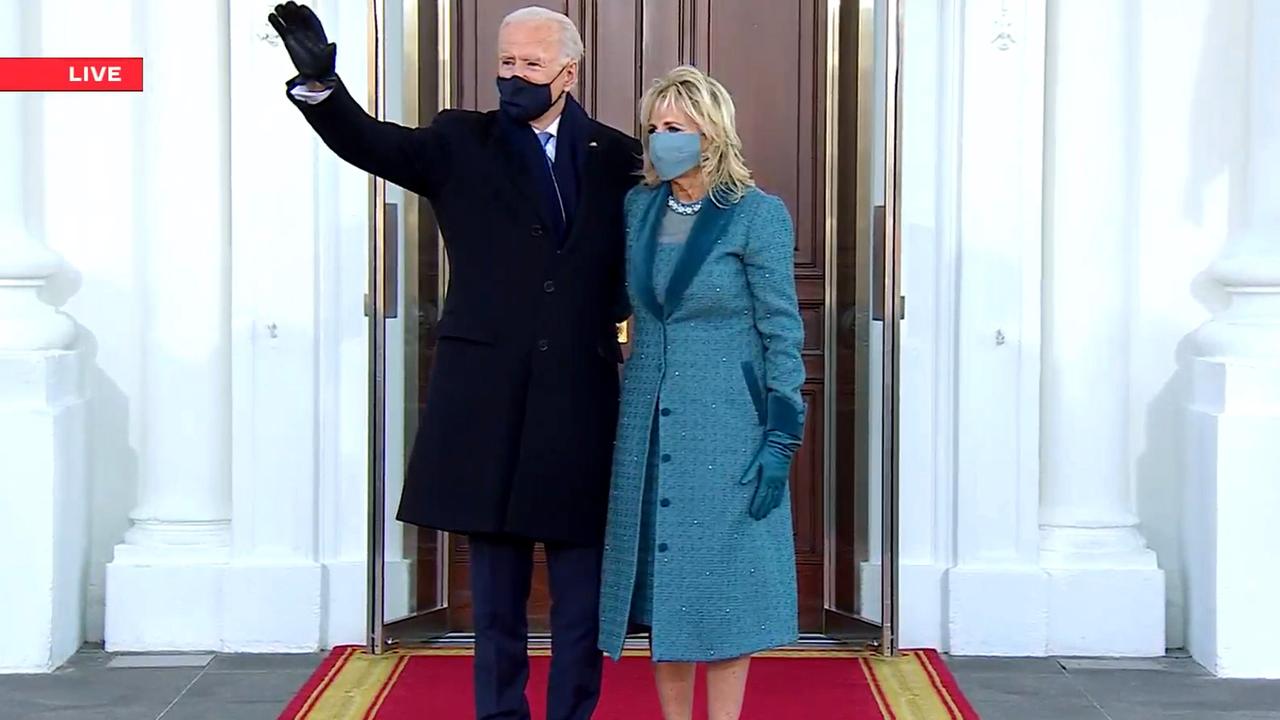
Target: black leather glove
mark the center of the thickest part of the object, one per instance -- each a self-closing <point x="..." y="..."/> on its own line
<point x="304" y="38"/>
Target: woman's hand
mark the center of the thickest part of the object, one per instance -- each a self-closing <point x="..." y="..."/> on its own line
<point x="771" y="471"/>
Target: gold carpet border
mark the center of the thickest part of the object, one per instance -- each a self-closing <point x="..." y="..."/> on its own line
<point x="907" y="688"/>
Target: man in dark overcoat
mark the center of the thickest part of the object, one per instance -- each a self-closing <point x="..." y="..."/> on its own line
<point x="516" y="441"/>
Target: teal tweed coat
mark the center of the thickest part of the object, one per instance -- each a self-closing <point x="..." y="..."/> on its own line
<point x="714" y="366"/>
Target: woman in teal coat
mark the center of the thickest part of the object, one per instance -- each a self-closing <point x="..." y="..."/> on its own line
<point x="699" y="545"/>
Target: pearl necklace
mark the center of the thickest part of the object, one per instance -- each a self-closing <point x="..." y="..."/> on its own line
<point x="680" y="208"/>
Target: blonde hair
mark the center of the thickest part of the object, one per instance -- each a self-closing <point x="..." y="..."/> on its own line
<point x="709" y="104"/>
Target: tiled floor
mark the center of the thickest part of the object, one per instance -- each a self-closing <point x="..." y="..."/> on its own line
<point x="97" y="686"/>
<point x="1077" y="689"/>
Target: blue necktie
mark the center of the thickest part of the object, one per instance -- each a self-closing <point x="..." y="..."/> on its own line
<point x="548" y="145"/>
<point x="549" y="149"/>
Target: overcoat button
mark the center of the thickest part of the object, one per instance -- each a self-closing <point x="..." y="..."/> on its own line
<point x="666" y="457"/>
<point x="665" y="502"/>
<point x="666" y="412"/>
<point x="543" y="345"/>
<point x="662" y="547"/>
<point x="536" y="231"/>
<point x="549" y="286"/>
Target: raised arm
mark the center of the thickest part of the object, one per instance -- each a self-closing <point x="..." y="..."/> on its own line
<point x="416" y="159"/>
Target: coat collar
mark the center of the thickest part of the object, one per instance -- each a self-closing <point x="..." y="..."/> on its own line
<point x="581" y="138"/>
<point x="578" y="139"/>
<point x="508" y="150"/>
<point x="706" y="230"/>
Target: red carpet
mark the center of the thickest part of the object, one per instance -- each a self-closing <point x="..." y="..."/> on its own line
<point x="435" y="684"/>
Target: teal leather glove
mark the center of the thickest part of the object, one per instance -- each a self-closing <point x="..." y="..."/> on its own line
<point x="770" y="471"/>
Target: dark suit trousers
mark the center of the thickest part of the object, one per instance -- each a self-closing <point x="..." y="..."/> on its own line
<point x="501" y="573"/>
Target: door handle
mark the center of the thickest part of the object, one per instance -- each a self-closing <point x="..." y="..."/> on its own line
<point x="878" y="242"/>
<point x="390" y="263"/>
<point x="391" y="259"/>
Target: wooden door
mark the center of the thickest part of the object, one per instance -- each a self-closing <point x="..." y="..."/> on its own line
<point x="771" y="56"/>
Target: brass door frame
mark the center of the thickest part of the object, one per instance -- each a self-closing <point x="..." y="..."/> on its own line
<point x="376" y="310"/>
<point x="382" y="303"/>
<point x="851" y="37"/>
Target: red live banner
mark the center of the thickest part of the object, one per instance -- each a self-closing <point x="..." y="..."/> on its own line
<point x="44" y="74"/>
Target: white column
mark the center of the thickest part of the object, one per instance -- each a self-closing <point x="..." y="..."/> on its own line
<point x="26" y="322"/>
<point x="273" y="587"/>
<point x="1107" y="593"/>
<point x="996" y="591"/>
<point x="43" y="506"/>
<point x="163" y="586"/>
<point x="1231" y="542"/>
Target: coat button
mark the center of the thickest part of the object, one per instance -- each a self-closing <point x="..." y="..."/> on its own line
<point x="543" y="344"/>
<point x="662" y="547"/>
<point x="666" y="457"/>
<point x="536" y="231"/>
<point x="549" y="286"/>
<point x="666" y="412"/>
<point x="665" y="502"/>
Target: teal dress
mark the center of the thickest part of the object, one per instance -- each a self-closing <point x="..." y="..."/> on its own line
<point x="672" y="234"/>
<point x="715" y="363"/>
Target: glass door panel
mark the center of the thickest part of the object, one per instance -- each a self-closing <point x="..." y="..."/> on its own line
<point x="862" y="326"/>
<point x="408" y="575"/>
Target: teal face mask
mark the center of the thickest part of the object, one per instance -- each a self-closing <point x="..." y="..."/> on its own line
<point x="674" y="153"/>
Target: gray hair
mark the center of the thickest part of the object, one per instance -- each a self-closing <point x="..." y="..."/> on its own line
<point x="570" y="39"/>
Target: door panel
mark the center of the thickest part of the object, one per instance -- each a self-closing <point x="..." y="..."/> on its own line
<point x="407" y="581"/>
<point x="777" y="87"/>
<point x="781" y="88"/>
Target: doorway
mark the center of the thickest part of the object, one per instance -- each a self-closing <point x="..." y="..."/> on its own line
<point x="810" y="81"/>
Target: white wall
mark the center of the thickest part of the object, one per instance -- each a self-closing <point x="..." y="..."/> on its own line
<point x="299" y="398"/>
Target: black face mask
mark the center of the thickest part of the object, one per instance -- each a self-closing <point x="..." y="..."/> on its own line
<point x="524" y="101"/>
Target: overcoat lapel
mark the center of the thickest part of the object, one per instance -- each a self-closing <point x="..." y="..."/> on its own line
<point x="707" y="228"/>
<point x="583" y="151"/>
<point x="513" y="174"/>
<point x="646" y="239"/>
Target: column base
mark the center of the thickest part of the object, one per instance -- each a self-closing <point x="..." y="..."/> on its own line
<point x="164" y="600"/>
<point x="997" y="611"/>
<point x="193" y="599"/>
<point x="1106" y="592"/>
<point x="1106" y="612"/>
